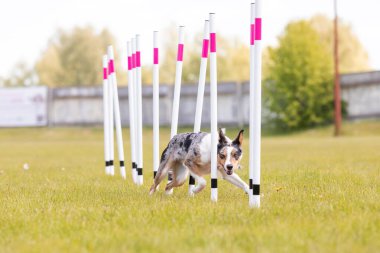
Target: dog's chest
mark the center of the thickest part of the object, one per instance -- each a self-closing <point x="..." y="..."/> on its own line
<point x="205" y="149"/>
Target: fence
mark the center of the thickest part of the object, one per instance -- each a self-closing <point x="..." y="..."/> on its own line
<point x="83" y="105"/>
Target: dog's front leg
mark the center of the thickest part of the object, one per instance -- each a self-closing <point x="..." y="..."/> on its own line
<point x="236" y="180"/>
<point x="201" y="183"/>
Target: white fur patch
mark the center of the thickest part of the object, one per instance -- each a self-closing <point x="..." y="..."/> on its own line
<point x="205" y="149"/>
<point x="228" y="157"/>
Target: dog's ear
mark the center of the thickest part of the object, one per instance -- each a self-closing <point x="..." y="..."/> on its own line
<point x="239" y="138"/>
<point x="222" y="137"/>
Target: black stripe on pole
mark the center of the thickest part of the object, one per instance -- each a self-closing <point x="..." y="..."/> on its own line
<point x="134" y="165"/>
<point x="111" y="163"/>
<point x="214" y="183"/>
<point x="139" y="171"/>
<point x="107" y="163"/>
<point x="191" y="181"/>
<point x="121" y="163"/>
<point x="154" y="174"/>
<point x="250" y="184"/>
<point x="256" y="189"/>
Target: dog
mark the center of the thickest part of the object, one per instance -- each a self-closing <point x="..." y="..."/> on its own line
<point x="191" y="153"/>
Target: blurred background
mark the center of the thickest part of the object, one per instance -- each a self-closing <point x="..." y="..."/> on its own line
<point x="51" y="54"/>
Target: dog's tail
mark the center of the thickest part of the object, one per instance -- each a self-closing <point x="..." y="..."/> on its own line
<point x="161" y="171"/>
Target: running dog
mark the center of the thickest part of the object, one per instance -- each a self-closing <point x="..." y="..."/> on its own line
<point x="191" y="153"/>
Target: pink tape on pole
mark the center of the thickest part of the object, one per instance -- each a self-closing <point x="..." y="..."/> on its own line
<point x="133" y="61"/>
<point x="180" y="52"/>
<point x="111" y="66"/>
<point x="258" y="29"/>
<point x="129" y="62"/>
<point x="155" y="55"/>
<point x="252" y="34"/>
<point x="205" y="48"/>
<point x="105" y="74"/>
<point x="138" y="59"/>
<point x="212" y="42"/>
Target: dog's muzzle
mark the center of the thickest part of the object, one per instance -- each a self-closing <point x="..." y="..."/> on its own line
<point x="229" y="169"/>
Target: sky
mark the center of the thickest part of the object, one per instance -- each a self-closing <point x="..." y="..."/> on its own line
<point x="26" y="25"/>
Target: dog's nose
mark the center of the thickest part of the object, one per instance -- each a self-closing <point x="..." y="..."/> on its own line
<point x="230" y="167"/>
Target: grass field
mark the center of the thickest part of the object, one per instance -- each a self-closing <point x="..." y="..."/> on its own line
<point x="319" y="194"/>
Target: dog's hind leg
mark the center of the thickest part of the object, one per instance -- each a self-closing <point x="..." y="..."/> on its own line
<point x="161" y="174"/>
<point x="201" y="182"/>
<point x="180" y="173"/>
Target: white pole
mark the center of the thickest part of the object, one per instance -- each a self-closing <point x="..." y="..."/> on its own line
<point x="256" y="134"/>
<point x="139" y="113"/>
<point x="251" y="102"/>
<point x="110" y="121"/>
<point x="105" y="113"/>
<point x="201" y="88"/>
<point x="134" y="75"/>
<point x="156" y="106"/>
<point x="177" y="88"/>
<point x="214" y="109"/>
<point x="119" y="135"/>
<point x="131" y="100"/>
<point x="177" y="84"/>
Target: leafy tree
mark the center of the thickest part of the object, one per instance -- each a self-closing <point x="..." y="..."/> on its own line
<point x="299" y="90"/>
<point x="233" y="59"/>
<point x="74" y="58"/>
<point x="352" y="55"/>
<point x="20" y="75"/>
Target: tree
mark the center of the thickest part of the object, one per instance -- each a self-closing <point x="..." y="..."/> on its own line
<point x="299" y="86"/>
<point x="352" y="55"/>
<point x="20" y="75"/>
<point x="74" y="58"/>
<point x="233" y="59"/>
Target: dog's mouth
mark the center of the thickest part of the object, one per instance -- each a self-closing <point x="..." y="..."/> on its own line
<point x="229" y="172"/>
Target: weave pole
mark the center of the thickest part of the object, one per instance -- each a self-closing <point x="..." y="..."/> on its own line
<point x="178" y="78"/>
<point x="131" y="101"/>
<point x="119" y="134"/>
<point x="251" y="101"/>
<point x="105" y="114"/>
<point x="177" y="89"/>
<point x="255" y="107"/>
<point x="140" y="178"/>
<point x="201" y="88"/>
<point x="214" y="110"/>
<point x="156" y="106"/>
<point x="110" y="121"/>
<point x="134" y="79"/>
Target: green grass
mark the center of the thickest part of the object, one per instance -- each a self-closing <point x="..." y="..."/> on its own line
<point x="320" y="194"/>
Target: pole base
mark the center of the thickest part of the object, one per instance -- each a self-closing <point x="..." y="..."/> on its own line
<point x="134" y="176"/>
<point x="214" y="194"/>
<point x="254" y="201"/>
<point x="140" y="180"/>
<point x="123" y="173"/>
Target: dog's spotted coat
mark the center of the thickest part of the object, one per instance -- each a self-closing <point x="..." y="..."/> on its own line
<point x="190" y="153"/>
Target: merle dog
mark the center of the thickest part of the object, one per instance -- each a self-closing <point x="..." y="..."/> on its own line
<point x="191" y="153"/>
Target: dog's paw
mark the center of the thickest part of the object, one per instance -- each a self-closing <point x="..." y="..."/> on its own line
<point x="169" y="192"/>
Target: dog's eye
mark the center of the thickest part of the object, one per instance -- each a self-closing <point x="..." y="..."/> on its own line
<point x="236" y="156"/>
<point x="222" y="156"/>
